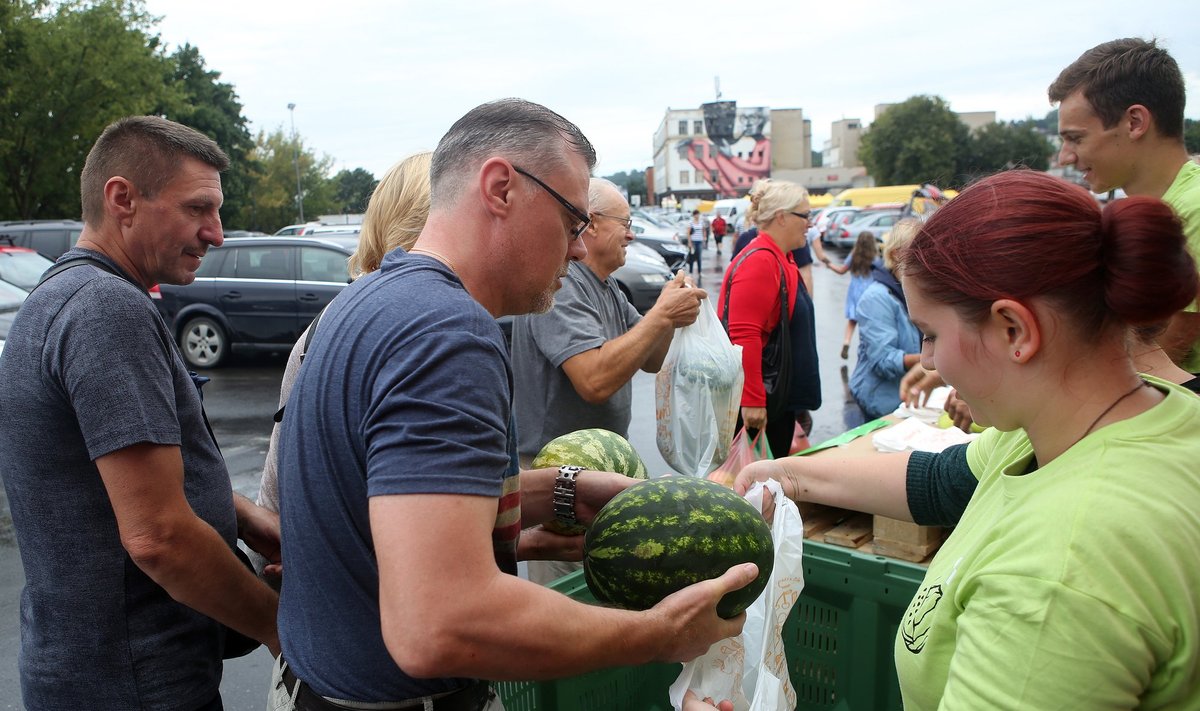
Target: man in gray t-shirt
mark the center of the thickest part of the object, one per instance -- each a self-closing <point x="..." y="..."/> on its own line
<point x="573" y="365"/>
<point x="121" y="502"/>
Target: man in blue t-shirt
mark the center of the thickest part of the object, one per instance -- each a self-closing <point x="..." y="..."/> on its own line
<point x="401" y="511"/>
<point x="120" y="499"/>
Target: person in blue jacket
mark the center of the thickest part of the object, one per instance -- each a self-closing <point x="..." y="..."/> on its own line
<point x="888" y="343"/>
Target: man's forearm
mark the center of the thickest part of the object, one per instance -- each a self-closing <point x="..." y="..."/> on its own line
<point x="196" y="568"/>
<point x="599" y="373"/>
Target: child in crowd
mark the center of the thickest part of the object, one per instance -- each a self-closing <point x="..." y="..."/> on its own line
<point x="859" y="262"/>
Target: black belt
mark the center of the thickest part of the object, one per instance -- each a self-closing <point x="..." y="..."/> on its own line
<point x="469" y="698"/>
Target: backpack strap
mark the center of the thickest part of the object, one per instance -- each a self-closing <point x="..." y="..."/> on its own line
<point x="85" y="260"/>
<point x="73" y="262"/>
<point x="312" y="331"/>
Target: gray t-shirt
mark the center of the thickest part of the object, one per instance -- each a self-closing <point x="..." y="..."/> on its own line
<point x="587" y="312"/>
<point x="88" y="369"/>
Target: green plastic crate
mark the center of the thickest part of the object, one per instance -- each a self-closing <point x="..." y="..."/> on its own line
<point x="838" y="639"/>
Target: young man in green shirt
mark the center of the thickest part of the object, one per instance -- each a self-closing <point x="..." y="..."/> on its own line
<point x="1121" y="122"/>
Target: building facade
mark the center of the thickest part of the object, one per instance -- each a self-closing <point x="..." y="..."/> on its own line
<point x="719" y="150"/>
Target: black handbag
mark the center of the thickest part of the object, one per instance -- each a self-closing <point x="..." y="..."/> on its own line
<point x="777" y="351"/>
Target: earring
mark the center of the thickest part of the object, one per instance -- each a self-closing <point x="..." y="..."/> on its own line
<point x="1017" y="354"/>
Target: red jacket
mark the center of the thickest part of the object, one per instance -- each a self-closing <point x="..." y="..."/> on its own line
<point x="754" y="307"/>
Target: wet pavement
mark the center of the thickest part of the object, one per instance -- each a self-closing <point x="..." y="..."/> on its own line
<point x="242" y="398"/>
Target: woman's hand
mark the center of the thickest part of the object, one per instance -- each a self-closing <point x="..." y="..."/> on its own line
<point x="692" y="702"/>
<point x="916" y="385"/>
<point x="754" y="418"/>
<point x="959" y="411"/>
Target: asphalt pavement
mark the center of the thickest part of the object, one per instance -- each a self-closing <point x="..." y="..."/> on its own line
<point x="242" y="398"/>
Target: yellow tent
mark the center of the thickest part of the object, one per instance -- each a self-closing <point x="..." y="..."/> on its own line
<point x="816" y="201"/>
<point x="706" y="206"/>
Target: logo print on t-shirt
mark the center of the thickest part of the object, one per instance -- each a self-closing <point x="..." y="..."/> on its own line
<point x="919" y="618"/>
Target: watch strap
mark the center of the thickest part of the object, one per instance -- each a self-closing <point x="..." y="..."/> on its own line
<point x="564" y="494"/>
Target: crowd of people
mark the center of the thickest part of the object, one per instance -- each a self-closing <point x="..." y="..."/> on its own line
<point x="397" y="498"/>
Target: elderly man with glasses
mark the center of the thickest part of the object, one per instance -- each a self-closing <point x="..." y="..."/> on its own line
<point x="403" y="506"/>
<point x="573" y="365"/>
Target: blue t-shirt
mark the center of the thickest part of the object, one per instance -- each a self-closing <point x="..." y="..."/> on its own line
<point x="89" y="369"/>
<point x="406" y="389"/>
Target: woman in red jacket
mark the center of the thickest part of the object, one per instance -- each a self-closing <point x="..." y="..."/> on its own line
<point x="751" y="306"/>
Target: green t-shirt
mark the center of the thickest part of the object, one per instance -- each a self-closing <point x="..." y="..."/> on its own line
<point x="1072" y="586"/>
<point x="1184" y="198"/>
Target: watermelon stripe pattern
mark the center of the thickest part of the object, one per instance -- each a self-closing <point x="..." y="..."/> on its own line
<point x="660" y="536"/>
<point x="596" y="449"/>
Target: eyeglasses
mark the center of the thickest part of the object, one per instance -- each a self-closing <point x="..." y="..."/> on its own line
<point x="626" y="222"/>
<point x="802" y="215"/>
<point x="578" y="214"/>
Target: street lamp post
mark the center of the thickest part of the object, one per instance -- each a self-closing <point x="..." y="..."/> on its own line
<point x="296" y="162"/>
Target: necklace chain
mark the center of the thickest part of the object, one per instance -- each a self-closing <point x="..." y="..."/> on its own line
<point x="441" y="258"/>
<point x="1139" y="386"/>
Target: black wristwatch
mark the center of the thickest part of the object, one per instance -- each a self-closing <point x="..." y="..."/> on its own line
<point x="564" y="494"/>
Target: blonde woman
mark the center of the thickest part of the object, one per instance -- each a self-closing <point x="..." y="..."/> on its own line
<point x="395" y="216"/>
<point x="750" y="306"/>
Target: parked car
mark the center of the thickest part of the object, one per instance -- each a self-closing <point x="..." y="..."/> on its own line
<point x="255" y="294"/>
<point x="660" y="239"/>
<point x="833" y="217"/>
<point x="299" y="229"/>
<point x="877" y="222"/>
<point x="22" y="267"/>
<point x="50" y="238"/>
<point x="11" y="298"/>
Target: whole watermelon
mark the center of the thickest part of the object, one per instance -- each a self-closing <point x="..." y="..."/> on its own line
<point x="596" y="449"/>
<point x="660" y="536"/>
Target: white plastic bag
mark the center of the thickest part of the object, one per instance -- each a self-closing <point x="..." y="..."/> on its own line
<point x="697" y="394"/>
<point x="751" y="669"/>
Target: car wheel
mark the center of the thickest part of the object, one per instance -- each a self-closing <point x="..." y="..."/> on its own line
<point x="203" y="343"/>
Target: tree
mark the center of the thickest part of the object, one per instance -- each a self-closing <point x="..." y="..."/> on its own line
<point x="65" y="76"/>
<point x="918" y="141"/>
<point x="272" y="199"/>
<point x="212" y="107"/>
<point x="633" y="181"/>
<point x="352" y="190"/>
<point x="1191" y="136"/>
<point x="1000" y="146"/>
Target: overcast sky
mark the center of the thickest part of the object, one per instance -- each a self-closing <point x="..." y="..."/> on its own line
<point x="374" y="81"/>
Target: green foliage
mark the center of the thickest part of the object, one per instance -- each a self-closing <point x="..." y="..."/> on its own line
<point x="818" y="159"/>
<point x="65" y="75"/>
<point x="272" y="199"/>
<point x="211" y="106"/>
<point x="352" y="190"/>
<point x="633" y="181"/>
<point x="1000" y="146"/>
<point x="1191" y="136"/>
<point x="918" y="141"/>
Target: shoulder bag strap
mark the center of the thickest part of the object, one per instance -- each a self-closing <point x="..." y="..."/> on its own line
<point x="728" y="286"/>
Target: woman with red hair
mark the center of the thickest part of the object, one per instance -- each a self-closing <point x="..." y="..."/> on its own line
<point x="1069" y="581"/>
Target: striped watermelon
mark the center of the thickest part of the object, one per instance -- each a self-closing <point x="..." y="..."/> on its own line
<point x="596" y="449"/>
<point x="660" y="536"/>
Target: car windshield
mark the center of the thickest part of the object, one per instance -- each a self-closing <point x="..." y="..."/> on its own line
<point x="23" y="268"/>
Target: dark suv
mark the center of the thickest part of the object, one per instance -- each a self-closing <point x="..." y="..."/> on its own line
<point x="50" y="238"/>
<point x="255" y="294"/>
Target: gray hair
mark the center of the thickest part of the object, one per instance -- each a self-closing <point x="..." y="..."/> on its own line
<point x="599" y="189"/>
<point x="526" y="133"/>
<point x="146" y="151"/>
